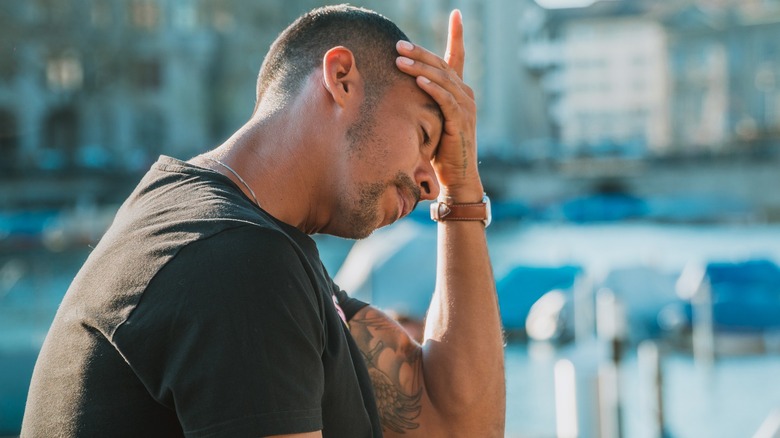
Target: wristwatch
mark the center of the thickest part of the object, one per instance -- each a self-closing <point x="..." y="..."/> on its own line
<point x="444" y="209"/>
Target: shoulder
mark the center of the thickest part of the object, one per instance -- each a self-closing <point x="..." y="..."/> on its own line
<point x="239" y="274"/>
<point x="246" y="251"/>
<point x="246" y="239"/>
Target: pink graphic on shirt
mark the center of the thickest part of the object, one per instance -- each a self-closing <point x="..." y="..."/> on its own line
<point x="341" y="312"/>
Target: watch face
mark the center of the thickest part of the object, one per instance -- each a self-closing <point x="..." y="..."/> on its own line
<point x="488" y="211"/>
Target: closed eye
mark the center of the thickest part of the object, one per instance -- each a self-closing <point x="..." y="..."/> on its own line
<point x="427" y="143"/>
<point x="426" y="138"/>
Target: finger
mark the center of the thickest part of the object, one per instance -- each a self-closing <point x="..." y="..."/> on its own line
<point x="455" y="55"/>
<point x="419" y="53"/>
<point x="446" y="79"/>
<point x="450" y="107"/>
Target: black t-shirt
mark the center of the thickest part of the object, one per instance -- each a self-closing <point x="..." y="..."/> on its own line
<point x="199" y="314"/>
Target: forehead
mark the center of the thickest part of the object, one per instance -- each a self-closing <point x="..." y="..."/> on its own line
<point x="406" y="98"/>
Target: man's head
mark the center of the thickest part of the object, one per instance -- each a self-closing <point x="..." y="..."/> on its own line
<point x="300" y="48"/>
<point x="375" y="127"/>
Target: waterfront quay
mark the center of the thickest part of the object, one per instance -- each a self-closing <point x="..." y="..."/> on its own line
<point x="746" y="179"/>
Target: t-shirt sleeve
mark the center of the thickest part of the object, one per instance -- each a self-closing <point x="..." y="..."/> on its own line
<point x="349" y="305"/>
<point x="230" y="335"/>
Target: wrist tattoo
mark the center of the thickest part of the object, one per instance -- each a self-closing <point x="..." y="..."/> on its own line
<point x="464" y="153"/>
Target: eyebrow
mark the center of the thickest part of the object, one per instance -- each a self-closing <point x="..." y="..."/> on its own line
<point x="433" y="108"/>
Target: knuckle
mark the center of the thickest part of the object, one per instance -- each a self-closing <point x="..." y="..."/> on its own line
<point x="450" y="80"/>
<point x="452" y="103"/>
<point x="444" y="79"/>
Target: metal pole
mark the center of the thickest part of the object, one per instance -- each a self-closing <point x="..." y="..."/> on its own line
<point x="703" y="325"/>
<point x="611" y="329"/>
<point x="649" y="360"/>
<point x="583" y="308"/>
<point x="694" y="285"/>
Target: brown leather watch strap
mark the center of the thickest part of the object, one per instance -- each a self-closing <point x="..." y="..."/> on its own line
<point x="461" y="212"/>
<point x="446" y="210"/>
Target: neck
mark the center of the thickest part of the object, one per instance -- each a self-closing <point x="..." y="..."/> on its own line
<point x="287" y="163"/>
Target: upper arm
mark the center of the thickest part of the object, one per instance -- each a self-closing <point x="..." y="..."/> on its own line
<point x="394" y="363"/>
<point x="229" y="335"/>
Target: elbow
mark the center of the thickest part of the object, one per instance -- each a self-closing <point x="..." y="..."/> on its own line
<point x="481" y="416"/>
<point x="480" y="408"/>
<point x="490" y="401"/>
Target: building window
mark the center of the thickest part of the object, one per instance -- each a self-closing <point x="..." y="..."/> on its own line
<point x="60" y="139"/>
<point x="9" y="139"/>
<point x="218" y="14"/>
<point x="185" y="15"/>
<point x="9" y="54"/>
<point x="101" y="13"/>
<point x="52" y="11"/>
<point x="145" y="14"/>
<point x="639" y="61"/>
<point x="150" y="131"/>
<point x="147" y="74"/>
<point x="64" y="72"/>
<point x="765" y="80"/>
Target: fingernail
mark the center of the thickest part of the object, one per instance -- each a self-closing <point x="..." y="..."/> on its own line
<point x="406" y="45"/>
<point x="424" y="80"/>
<point x="405" y="60"/>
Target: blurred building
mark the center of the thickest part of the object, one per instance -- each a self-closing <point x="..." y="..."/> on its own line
<point x="604" y="70"/>
<point x="102" y="83"/>
<point x="642" y="78"/>
<point x="513" y="117"/>
<point x="725" y="65"/>
<point x="110" y="84"/>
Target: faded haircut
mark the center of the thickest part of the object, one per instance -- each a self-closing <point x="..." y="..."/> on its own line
<point x="299" y="50"/>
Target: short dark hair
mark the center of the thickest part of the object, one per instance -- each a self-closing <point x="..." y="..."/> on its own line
<point x="299" y="50"/>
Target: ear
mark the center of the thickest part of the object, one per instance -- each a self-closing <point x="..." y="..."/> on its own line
<point x="340" y="75"/>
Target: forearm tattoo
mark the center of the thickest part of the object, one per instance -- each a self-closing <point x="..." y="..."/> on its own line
<point x="389" y="357"/>
<point x="464" y="153"/>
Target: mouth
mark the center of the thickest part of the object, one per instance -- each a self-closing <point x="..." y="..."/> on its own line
<point x="404" y="207"/>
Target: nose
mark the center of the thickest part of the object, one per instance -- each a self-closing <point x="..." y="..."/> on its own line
<point x="427" y="181"/>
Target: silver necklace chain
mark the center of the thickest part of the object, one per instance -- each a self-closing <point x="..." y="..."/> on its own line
<point x="237" y="176"/>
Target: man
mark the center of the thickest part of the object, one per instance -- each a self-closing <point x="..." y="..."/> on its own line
<point x="205" y="310"/>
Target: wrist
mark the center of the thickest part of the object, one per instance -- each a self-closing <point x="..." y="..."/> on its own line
<point x="463" y="194"/>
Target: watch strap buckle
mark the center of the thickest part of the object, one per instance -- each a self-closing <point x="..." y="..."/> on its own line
<point x="440" y="210"/>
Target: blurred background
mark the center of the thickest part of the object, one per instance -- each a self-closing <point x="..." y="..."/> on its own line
<point x="631" y="149"/>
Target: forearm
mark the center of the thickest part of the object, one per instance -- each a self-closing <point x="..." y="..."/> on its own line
<point x="463" y="361"/>
<point x="462" y="357"/>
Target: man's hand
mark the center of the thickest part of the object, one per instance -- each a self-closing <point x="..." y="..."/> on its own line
<point x="455" y="162"/>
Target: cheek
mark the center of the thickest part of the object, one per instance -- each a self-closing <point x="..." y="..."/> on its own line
<point x="399" y="131"/>
<point x="404" y="147"/>
<point x="395" y="145"/>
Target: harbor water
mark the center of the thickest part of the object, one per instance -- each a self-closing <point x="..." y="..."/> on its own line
<point x="729" y="400"/>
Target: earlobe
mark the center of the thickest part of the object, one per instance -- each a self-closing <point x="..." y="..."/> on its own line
<point x="340" y="74"/>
